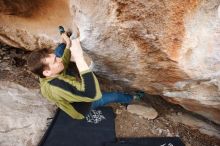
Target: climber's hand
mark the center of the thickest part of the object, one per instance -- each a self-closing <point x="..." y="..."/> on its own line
<point x="76" y="49"/>
<point x="66" y="39"/>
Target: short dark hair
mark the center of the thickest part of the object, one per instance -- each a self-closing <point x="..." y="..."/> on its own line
<point x="35" y="61"/>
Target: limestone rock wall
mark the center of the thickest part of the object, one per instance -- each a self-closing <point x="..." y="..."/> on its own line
<point x="23" y="116"/>
<point x="169" y="48"/>
<point x="200" y="59"/>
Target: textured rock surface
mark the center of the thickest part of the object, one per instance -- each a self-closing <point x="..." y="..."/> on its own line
<point x="170" y="48"/>
<point x="203" y="127"/>
<point x="143" y="111"/>
<point x="200" y="59"/>
<point x="23" y="115"/>
<point x="32" y="24"/>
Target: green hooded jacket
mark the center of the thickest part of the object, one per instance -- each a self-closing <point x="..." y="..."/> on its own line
<point x="64" y="89"/>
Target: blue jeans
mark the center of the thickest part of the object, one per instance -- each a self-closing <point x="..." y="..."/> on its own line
<point x="112" y="97"/>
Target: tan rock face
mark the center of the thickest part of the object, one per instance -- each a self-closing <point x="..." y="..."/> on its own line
<point x="33" y="24"/>
<point x="170" y="48"/>
<point x="18" y="7"/>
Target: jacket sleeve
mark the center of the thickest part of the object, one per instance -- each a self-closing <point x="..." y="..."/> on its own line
<point x="87" y="90"/>
<point x="66" y="57"/>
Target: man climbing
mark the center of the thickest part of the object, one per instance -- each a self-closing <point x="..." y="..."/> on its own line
<point x="76" y="98"/>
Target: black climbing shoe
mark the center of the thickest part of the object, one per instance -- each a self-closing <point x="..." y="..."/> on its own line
<point x="61" y="29"/>
<point x="138" y="95"/>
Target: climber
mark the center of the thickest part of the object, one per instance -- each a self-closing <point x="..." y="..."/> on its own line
<point x="62" y="88"/>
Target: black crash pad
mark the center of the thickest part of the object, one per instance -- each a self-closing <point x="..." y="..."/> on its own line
<point x="148" y="141"/>
<point x="96" y="130"/>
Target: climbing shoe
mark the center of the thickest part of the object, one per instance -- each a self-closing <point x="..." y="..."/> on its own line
<point x="61" y="29"/>
<point x="138" y="95"/>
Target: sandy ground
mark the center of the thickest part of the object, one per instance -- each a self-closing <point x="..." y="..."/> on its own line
<point x="13" y="68"/>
